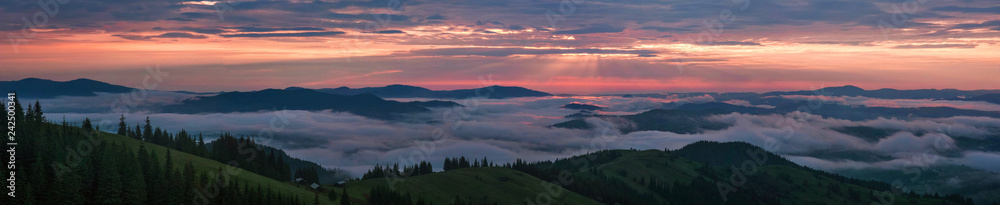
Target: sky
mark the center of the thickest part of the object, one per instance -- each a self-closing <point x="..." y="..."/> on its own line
<point x="568" y="46"/>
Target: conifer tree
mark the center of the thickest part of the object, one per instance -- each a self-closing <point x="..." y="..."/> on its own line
<point x="188" y="183"/>
<point x="147" y="131"/>
<point x="122" y="127"/>
<point x="87" y="126"/>
<point x="133" y="183"/>
<point x="109" y="185"/>
<point x="344" y="199"/>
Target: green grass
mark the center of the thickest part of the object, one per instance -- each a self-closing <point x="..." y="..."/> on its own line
<point x="483" y="184"/>
<point x="801" y="187"/>
<point x="202" y="165"/>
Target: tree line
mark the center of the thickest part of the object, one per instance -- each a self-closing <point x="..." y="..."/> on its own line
<point x="64" y="164"/>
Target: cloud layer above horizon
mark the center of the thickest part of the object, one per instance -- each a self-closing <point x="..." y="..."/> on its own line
<point x="556" y="46"/>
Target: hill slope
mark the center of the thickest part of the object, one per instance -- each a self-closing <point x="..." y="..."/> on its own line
<point x="744" y="174"/>
<point x="208" y="166"/>
<point x="480" y="185"/>
<point x="112" y="170"/>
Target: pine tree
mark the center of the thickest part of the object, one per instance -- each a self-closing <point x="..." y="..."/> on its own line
<point x="122" y="127"/>
<point x="463" y="163"/>
<point x="316" y="197"/>
<point x="109" y="185"/>
<point x="332" y="195"/>
<point x="188" y="183"/>
<point x="147" y="131"/>
<point x="133" y="183"/>
<point x="344" y="199"/>
<point x="169" y="178"/>
<point x="87" y="126"/>
<point x="158" y="137"/>
<point x="137" y="133"/>
<point x="40" y="116"/>
<point x="154" y="180"/>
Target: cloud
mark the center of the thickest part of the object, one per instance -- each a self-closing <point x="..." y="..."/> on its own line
<point x="269" y="29"/>
<point x="388" y="32"/>
<point x="729" y="43"/>
<point x="179" y="19"/>
<point x="335" y="80"/>
<point x="906" y="144"/>
<point x="898" y="103"/>
<point x="503" y="52"/>
<point x="592" y="29"/>
<point x="164" y="35"/>
<point x="197" y="15"/>
<point x="995" y="10"/>
<point x="842" y="165"/>
<point x="995" y="24"/>
<point x="665" y="29"/>
<point x="746" y="103"/>
<point x="943" y="45"/>
<point x="852" y="43"/>
<point x="302" y="34"/>
<point x="202" y="30"/>
<point x="436" y="17"/>
<point x="982" y="160"/>
<point x="180" y="35"/>
<point x="133" y="37"/>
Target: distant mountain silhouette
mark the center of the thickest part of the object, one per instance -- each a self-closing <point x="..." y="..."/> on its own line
<point x="840" y="111"/>
<point x="724" y="107"/>
<point x="578" y="106"/>
<point x="406" y="91"/>
<point x="677" y="121"/>
<point x="887" y="93"/>
<point x="295" y="99"/>
<point x="435" y="103"/>
<point x="991" y="98"/>
<point x="690" y="117"/>
<point x="42" y="88"/>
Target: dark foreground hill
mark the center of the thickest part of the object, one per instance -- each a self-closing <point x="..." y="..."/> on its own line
<point x="62" y="164"/>
<point x="700" y="173"/>
<point x="717" y="173"/>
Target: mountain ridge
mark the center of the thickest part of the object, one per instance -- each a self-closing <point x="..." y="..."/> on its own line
<point x="363" y="104"/>
<point x="408" y="91"/>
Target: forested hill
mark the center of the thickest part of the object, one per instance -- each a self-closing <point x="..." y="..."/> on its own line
<point x="739" y="173"/>
<point x="59" y="163"/>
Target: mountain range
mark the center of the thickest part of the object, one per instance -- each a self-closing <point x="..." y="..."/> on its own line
<point x="406" y="91"/>
<point x="887" y="93"/>
<point x="296" y="99"/>
<point x="42" y="88"/>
